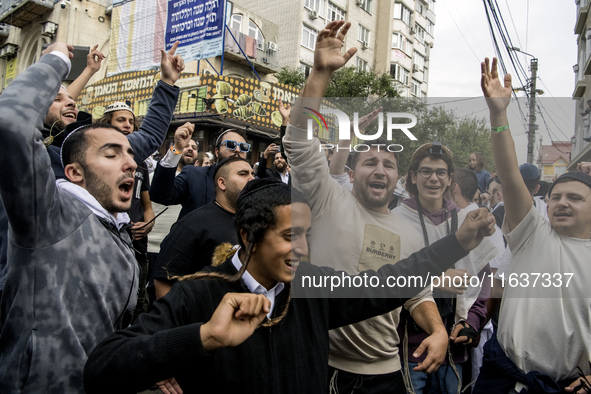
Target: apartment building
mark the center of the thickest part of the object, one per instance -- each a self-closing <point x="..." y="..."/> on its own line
<point x="581" y="141"/>
<point x="394" y="36"/>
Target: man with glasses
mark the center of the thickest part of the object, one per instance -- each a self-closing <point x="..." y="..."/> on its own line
<point x="430" y="175"/>
<point x="194" y="187"/>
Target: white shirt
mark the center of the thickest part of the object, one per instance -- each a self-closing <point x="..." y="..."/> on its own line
<point x="255" y="287"/>
<point x="284" y="177"/>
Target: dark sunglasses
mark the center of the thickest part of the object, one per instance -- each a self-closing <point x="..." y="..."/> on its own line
<point x="244" y="147"/>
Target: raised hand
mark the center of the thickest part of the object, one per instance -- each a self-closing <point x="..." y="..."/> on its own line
<point x="94" y="59"/>
<point x="285" y="111"/>
<point x="183" y="135"/>
<point x="478" y="224"/>
<point x="327" y="55"/>
<point x="171" y="65"/>
<point x="234" y="320"/>
<point x="498" y="94"/>
<point x="62" y="47"/>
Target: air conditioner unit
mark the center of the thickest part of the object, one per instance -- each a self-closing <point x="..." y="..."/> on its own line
<point x="261" y="45"/>
<point x="48" y="29"/>
<point x="8" y="50"/>
<point x="3" y="29"/>
<point x="272" y="46"/>
<point x="266" y="60"/>
<point x="426" y="58"/>
<point x="360" y="3"/>
<point x="412" y="30"/>
<point x="364" y="45"/>
<point x="415" y="68"/>
<point x="313" y="14"/>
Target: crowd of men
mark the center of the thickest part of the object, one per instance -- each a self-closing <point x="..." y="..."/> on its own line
<point x="99" y="294"/>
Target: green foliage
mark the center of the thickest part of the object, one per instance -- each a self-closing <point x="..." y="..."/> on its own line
<point x="291" y="76"/>
<point x="346" y="82"/>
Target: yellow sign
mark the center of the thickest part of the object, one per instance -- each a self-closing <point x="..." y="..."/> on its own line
<point x="250" y="101"/>
<point x="10" y="71"/>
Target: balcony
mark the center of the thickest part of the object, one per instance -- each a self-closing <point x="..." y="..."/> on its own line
<point x="20" y="13"/>
<point x="263" y="57"/>
<point x="582" y="12"/>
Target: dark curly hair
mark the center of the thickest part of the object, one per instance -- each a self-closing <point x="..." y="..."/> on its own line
<point x="421" y="153"/>
<point x="256" y="213"/>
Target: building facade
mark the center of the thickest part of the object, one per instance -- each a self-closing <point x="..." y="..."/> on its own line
<point x="393" y="37"/>
<point x="581" y="150"/>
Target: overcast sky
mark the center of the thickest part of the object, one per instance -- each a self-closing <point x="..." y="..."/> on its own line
<point x="463" y="39"/>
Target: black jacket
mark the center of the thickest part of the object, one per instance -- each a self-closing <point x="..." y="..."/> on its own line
<point x="291" y="357"/>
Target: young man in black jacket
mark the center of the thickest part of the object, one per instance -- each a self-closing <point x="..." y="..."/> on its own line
<point x="208" y="328"/>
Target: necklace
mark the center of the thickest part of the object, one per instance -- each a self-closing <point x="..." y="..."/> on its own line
<point x="49" y="140"/>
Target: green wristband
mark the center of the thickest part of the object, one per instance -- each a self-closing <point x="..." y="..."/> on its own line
<point x="499" y="129"/>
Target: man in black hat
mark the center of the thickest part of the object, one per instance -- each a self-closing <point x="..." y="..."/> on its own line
<point x="190" y="245"/>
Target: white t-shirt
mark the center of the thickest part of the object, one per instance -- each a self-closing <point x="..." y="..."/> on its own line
<point x="547" y="329"/>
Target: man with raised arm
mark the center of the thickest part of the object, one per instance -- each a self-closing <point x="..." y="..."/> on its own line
<point x="354" y="231"/>
<point x="72" y="276"/>
<point x="551" y="262"/>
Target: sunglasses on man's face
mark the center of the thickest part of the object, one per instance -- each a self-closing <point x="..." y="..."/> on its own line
<point x="244" y="147"/>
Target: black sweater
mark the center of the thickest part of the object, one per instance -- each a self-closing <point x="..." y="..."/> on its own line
<point x="291" y="357"/>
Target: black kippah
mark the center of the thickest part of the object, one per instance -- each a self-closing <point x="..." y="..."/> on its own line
<point x="572" y="176"/>
<point x="256" y="185"/>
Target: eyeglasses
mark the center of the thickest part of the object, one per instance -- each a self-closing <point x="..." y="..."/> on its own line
<point x="244" y="147"/>
<point x="427" y="172"/>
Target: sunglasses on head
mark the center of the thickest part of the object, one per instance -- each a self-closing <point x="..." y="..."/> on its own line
<point x="244" y="147"/>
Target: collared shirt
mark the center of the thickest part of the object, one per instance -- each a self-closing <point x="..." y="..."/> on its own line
<point x="284" y="177"/>
<point x="255" y="287"/>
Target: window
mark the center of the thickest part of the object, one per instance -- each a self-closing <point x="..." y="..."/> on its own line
<point x="315" y="5"/>
<point x="309" y="36"/>
<point x="425" y="75"/>
<point x="365" y="5"/>
<point x="335" y="13"/>
<point x="362" y="65"/>
<point x="420" y="7"/>
<point x="430" y="27"/>
<point x="415" y="88"/>
<point x="402" y="12"/>
<point x="255" y="32"/>
<point x="399" y="41"/>
<point x="559" y="170"/>
<point x="363" y="34"/>
<point x="189" y="100"/>
<point x="418" y="60"/>
<point x="236" y="22"/>
<point x="420" y="33"/>
<point x="431" y="5"/>
<point x="306" y="69"/>
<point x="399" y="73"/>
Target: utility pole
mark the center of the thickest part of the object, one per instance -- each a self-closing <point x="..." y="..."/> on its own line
<point x="531" y="134"/>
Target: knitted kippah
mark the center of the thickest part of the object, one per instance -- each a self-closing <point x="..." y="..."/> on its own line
<point x="572" y="176"/>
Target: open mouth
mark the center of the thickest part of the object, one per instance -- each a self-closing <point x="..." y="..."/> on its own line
<point x="126" y="187"/>
<point x="377" y="185"/>
<point x="292" y="264"/>
<point x="562" y="215"/>
<point x="69" y="115"/>
<point x="433" y="188"/>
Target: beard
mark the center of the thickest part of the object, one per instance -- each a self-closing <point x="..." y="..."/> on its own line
<point x="50" y="119"/>
<point x="368" y="200"/>
<point x="103" y="193"/>
<point x="281" y="167"/>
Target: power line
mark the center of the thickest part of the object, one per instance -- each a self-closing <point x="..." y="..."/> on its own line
<point x="462" y="34"/>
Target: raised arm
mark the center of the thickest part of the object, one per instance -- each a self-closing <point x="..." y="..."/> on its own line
<point x="340" y="156"/>
<point x="94" y="60"/>
<point x="517" y="199"/>
<point x="167" y="189"/>
<point x="153" y="130"/>
<point x="327" y="59"/>
<point x="27" y="183"/>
